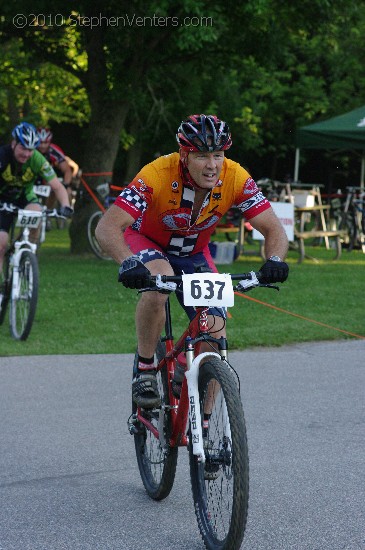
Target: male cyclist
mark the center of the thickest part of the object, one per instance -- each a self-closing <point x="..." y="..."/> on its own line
<point x="162" y="223"/>
<point x="20" y="166"/>
<point x="64" y="167"/>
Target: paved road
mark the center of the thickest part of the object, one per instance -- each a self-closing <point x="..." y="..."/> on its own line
<point x="68" y="479"/>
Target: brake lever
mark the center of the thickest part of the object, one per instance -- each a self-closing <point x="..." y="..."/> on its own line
<point x="269" y="286"/>
<point x="160" y="286"/>
<point x="240" y="288"/>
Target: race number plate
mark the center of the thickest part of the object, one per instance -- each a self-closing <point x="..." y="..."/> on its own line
<point x="29" y="218"/>
<point x="42" y="190"/>
<point x="208" y="289"/>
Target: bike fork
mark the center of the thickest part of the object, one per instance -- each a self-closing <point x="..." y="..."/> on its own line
<point x="192" y="375"/>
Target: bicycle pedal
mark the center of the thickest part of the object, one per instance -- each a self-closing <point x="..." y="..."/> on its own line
<point x="133" y="430"/>
<point x="132" y="424"/>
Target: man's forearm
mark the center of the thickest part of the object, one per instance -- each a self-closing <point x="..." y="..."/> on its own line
<point x="60" y="192"/>
<point x="276" y="244"/>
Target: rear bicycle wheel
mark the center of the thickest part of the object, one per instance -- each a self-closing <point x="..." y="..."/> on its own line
<point x="220" y="486"/>
<point x="91" y="226"/>
<point x="156" y="459"/>
<point x="23" y="308"/>
<point x="347" y="224"/>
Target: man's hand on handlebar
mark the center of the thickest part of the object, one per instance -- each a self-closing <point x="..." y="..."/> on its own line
<point x="65" y="211"/>
<point x="274" y="272"/>
<point x="133" y="273"/>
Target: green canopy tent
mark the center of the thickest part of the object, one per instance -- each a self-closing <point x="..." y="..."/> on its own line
<point x="346" y="131"/>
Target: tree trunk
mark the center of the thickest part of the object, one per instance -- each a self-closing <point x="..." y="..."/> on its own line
<point x="100" y="154"/>
<point x="133" y="161"/>
<point x="102" y="141"/>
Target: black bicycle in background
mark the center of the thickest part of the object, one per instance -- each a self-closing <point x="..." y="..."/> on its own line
<point x="350" y="217"/>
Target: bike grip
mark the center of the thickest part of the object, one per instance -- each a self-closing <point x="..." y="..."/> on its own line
<point x="259" y="276"/>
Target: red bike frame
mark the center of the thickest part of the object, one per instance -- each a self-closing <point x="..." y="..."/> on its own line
<point x="198" y="326"/>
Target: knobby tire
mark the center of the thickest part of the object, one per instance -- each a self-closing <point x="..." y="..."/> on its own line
<point x="221" y="503"/>
<point x="91" y="226"/>
<point x="22" y="310"/>
<point x="156" y="461"/>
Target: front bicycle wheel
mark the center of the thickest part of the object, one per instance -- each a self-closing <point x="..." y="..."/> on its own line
<point x="91" y="226"/>
<point x="220" y="486"/>
<point x="23" y="307"/>
<point x="156" y="459"/>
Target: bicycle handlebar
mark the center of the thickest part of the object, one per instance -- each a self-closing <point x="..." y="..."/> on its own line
<point x="12" y="208"/>
<point x="247" y="281"/>
<point x="54" y="214"/>
<point x="234" y="277"/>
<point x="8" y="207"/>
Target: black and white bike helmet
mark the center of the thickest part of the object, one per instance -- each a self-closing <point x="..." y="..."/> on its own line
<point x="203" y="133"/>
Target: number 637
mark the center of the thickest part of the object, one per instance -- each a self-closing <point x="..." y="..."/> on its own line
<point x="197" y="290"/>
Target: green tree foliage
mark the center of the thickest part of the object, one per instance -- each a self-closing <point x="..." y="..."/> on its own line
<point x="266" y="65"/>
<point x="130" y="72"/>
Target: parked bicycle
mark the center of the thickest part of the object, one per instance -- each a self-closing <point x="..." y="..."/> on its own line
<point x="20" y="277"/>
<point x="208" y="418"/>
<point x="351" y="218"/>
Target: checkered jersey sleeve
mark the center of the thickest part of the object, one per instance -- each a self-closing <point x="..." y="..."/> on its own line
<point x="249" y="199"/>
<point x="136" y="197"/>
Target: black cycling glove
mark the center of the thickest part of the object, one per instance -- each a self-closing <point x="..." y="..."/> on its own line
<point x="133" y="273"/>
<point x="65" y="211"/>
<point x="274" y="271"/>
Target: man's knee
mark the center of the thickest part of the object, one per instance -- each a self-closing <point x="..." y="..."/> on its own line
<point x="3" y="241"/>
<point x="33" y="206"/>
<point x="154" y="300"/>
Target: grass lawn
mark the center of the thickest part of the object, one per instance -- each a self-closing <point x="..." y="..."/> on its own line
<point x="82" y="308"/>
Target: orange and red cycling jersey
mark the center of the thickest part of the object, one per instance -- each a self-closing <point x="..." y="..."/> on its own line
<point x="162" y="205"/>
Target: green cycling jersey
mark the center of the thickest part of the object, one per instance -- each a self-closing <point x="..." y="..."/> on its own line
<point x="17" y="180"/>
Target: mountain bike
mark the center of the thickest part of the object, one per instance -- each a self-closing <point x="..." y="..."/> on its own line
<point x="208" y="418"/>
<point x="20" y="277"/>
<point x="43" y="191"/>
<point x="352" y="218"/>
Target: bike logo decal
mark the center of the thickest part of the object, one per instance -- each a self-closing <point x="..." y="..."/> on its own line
<point x="193" y="413"/>
<point x="176" y="219"/>
<point x="217" y="196"/>
<point x="252" y="201"/>
<point x="249" y="187"/>
<point x="179" y="220"/>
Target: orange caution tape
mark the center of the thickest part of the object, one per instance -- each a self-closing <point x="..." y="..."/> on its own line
<point x="299" y="316"/>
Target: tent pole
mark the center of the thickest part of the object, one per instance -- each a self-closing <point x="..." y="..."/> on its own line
<point x="296" y="167"/>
